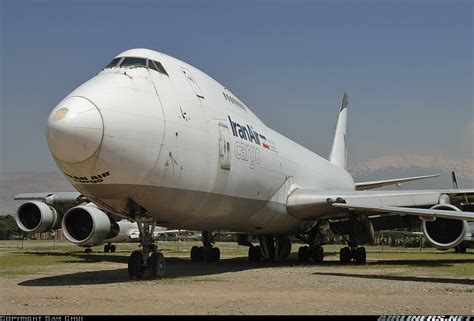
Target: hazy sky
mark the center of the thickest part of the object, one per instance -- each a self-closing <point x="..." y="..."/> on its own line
<point x="407" y="66"/>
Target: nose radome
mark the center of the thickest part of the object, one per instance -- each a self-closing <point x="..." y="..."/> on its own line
<point x="75" y="129"/>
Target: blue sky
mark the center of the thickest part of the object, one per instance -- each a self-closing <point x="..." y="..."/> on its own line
<point x="407" y="66"/>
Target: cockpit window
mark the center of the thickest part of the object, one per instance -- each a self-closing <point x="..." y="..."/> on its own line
<point x="155" y="65"/>
<point x="137" y="62"/>
<point x="152" y="65"/>
<point x="113" y="63"/>
<point x="133" y="61"/>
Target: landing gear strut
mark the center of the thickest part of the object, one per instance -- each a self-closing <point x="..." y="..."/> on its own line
<point x="208" y="252"/>
<point x="148" y="259"/>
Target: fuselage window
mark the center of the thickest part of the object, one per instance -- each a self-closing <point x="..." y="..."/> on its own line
<point x="133" y="61"/>
<point x="113" y="63"/>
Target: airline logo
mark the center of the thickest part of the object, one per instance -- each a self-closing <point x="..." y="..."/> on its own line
<point x="244" y="132"/>
<point x="247" y="133"/>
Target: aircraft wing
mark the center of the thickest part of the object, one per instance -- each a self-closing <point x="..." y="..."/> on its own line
<point x="61" y="201"/>
<point x="312" y="204"/>
<point x="376" y="184"/>
<point x="50" y="198"/>
<point x="423" y="212"/>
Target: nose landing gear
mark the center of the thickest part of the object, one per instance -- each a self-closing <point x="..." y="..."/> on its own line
<point x="148" y="259"/>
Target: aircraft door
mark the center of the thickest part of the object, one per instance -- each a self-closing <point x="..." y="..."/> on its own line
<point x="224" y="146"/>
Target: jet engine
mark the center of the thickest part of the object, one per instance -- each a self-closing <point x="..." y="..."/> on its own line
<point x="444" y="233"/>
<point x="37" y="217"/>
<point x="87" y="225"/>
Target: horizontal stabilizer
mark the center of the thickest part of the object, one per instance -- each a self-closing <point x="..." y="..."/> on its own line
<point x="376" y="184"/>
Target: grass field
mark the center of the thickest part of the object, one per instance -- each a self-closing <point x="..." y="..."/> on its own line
<point x="33" y="257"/>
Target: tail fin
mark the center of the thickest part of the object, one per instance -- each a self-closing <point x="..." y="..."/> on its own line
<point x="338" y="154"/>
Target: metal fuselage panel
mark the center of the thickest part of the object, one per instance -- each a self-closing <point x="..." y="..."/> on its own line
<point x="184" y="148"/>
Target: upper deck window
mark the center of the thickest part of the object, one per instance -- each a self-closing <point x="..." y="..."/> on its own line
<point x="133" y="61"/>
<point x="113" y="63"/>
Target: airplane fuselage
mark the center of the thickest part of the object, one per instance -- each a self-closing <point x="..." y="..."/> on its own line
<point x="184" y="148"/>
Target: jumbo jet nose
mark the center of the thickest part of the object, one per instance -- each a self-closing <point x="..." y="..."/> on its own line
<point x="75" y="130"/>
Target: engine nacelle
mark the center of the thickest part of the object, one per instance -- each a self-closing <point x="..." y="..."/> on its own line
<point x="87" y="225"/>
<point x="37" y="217"/>
<point x="444" y="233"/>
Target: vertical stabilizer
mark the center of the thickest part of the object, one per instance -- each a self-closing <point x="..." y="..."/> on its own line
<point x="338" y="154"/>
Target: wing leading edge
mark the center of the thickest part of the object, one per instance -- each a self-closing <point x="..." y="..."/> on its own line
<point x="376" y="184"/>
<point x="423" y="212"/>
<point x="311" y="204"/>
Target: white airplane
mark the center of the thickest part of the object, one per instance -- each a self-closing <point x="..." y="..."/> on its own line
<point x="155" y="140"/>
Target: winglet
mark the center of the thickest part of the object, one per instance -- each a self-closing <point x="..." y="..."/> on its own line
<point x="338" y="154"/>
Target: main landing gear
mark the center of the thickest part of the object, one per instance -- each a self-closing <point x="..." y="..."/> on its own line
<point x="315" y="253"/>
<point x="207" y="252"/>
<point x="109" y="248"/>
<point x="314" y="250"/>
<point x="148" y="259"/>
<point x="271" y="248"/>
<point x="352" y="252"/>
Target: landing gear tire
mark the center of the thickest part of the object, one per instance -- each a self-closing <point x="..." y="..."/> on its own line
<point x="255" y="253"/>
<point x="210" y="254"/>
<point x="303" y="254"/>
<point x="88" y="250"/>
<point x="106" y="248"/>
<point x="135" y="269"/>
<point x="317" y="254"/>
<point x="112" y="248"/>
<point x="157" y="265"/>
<point x="216" y="254"/>
<point x="197" y="254"/>
<point x="345" y="255"/>
<point x="360" y="255"/>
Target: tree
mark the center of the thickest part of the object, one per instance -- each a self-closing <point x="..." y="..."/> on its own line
<point x="8" y="227"/>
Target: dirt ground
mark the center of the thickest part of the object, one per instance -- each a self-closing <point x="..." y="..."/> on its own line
<point x="100" y="285"/>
